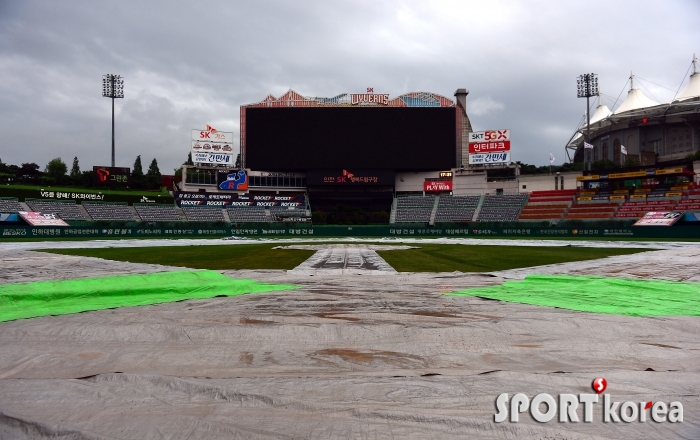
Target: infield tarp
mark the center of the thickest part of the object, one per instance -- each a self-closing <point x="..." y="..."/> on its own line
<point x="28" y="300"/>
<point x="620" y="296"/>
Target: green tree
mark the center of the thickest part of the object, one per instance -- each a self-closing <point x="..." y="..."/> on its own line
<point x="137" y="179"/>
<point x="153" y="177"/>
<point x="75" y="170"/>
<point x="56" y="169"/>
<point x="189" y="159"/>
<point x="238" y="161"/>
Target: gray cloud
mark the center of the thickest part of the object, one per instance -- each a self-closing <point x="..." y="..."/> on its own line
<point x="187" y="65"/>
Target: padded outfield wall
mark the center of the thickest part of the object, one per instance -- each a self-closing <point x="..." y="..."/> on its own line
<point x="514" y="230"/>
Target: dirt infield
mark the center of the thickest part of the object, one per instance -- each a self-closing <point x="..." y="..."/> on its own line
<point x="346" y="356"/>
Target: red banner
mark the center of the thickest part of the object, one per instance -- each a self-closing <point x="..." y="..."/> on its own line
<point x="489" y="147"/>
<point x="437" y="186"/>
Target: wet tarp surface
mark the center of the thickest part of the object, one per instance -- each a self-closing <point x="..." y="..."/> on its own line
<point x="28" y="300"/>
<point x="347" y="356"/>
<point x="620" y="296"/>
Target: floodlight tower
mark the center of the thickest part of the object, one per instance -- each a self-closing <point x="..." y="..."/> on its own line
<point x="587" y="87"/>
<point x="112" y="87"/>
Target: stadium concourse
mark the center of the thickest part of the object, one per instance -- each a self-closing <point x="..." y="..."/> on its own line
<point x="346" y="355"/>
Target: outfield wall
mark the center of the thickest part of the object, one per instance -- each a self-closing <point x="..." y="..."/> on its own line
<point x="303" y="230"/>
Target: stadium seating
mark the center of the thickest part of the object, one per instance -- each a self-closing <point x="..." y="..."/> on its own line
<point x="547" y="205"/>
<point x="456" y="208"/>
<point x="8" y="205"/>
<point x="67" y="210"/>
<point x="501" y="208"/>
<point x="414" y="209"/>
<point x="157" y="213"/>
<point x="109" y="211"/>
<point x="203" y="213"/>
<point x="592" y="211"/>
<point x="253" y="214"/>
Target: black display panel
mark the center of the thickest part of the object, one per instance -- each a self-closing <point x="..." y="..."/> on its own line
<point x="398" y="138"/>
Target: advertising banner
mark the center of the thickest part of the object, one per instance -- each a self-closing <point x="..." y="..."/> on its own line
<point x="489" y="158"/>
<point x="352" y="177"/>
<point x="39" y="219"/>
<point x="489" y="147"/>
<point x="491" y="141"/>
<point x="213" y="158"/>
<point x="212" y="135"/>
<point x="232" y="180"/>
<point x="110" y="176"/>
<point x="659" y="218"/>
<point x="437" y="186"/>
<point x="211" y="147"/>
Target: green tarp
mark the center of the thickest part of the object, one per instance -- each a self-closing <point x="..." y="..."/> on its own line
<point x="28" y="300"/>
<point x="620" y="296"/>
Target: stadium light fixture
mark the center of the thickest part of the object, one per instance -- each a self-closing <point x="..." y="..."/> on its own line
<point x="587" y="85"/>
<point x="112" y="87"/>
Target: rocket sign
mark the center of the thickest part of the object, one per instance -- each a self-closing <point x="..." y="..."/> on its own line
<point x="491" y="141"/>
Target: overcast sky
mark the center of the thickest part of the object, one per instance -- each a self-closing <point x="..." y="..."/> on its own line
<point x="188" y="64"/>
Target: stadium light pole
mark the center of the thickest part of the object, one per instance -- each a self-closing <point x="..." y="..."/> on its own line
<point x="112" y="87"/>
<point x="587" y="87"/>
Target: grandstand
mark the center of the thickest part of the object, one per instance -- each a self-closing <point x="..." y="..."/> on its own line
<point x="413" y="209"/>
<point x="150" y="212"/>
<point x="547" y="205"/>
<point x="203" y="214"/>
<point x="501" y="207"/>
<point x="250" y="214"/>
<point x="456" y="208"/>
<point x="10" y="205"/>
<point x="109" y="211"/>
<point x="65" y="209"/>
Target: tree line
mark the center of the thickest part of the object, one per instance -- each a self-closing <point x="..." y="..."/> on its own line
<point x="56" y="173"/>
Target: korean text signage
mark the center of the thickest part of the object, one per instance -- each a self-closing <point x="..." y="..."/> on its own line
<point x="110" y="176"/>
<point x="437" y="186"/>
<point x="350" y="177"/>
<point x="39" y="219"/>
<point x="491" y="141"/>
<point x="210" y="146"/>
<point x="489" y="158"/>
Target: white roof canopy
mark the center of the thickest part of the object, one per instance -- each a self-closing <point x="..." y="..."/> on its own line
<point x="692" y="89"/>
<point x="634" y="101"/>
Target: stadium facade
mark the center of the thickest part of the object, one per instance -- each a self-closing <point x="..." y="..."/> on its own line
<point x="358" y="149"/>
<point x="650" y="132"/>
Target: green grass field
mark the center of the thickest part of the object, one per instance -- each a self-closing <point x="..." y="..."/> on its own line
<point x="429" y="258"/>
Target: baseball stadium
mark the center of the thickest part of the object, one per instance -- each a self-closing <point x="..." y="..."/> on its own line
<point x="364" y="266"/>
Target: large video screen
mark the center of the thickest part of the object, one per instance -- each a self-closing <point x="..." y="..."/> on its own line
<point x="400" y="138"/>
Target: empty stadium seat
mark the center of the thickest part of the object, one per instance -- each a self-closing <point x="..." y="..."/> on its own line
<point x="67" y="210"/>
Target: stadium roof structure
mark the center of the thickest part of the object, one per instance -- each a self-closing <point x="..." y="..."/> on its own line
<point x="635" y="100"/>
<point x="413" y="99"/>
<point x="692" y="89"/>
<point x="637" y="108"/>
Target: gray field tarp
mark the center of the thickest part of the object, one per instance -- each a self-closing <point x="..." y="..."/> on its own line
<point x="345" y="356"/>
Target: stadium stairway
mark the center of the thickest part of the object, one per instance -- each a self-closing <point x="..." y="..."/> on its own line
<point x="227" y="219"/>
<point x="25" y="207"/>
<point x="85" y="213"/>
<point x="392" y="214"/>
<point x="180" y="214"/>
<point x="434" y="211"/>
<point x="478" y="208"/>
